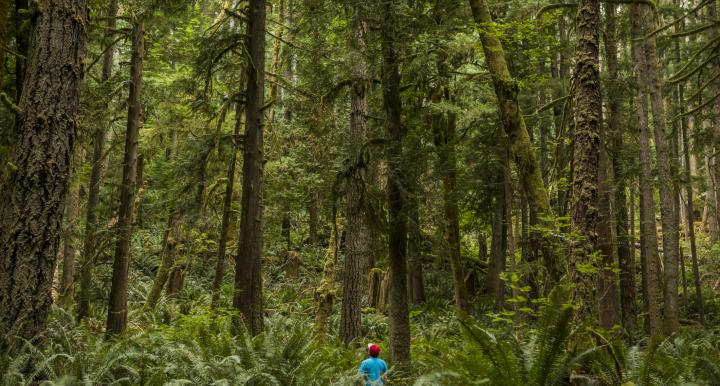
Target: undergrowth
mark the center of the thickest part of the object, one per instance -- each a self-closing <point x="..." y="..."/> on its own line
<point x="198" y="349"/>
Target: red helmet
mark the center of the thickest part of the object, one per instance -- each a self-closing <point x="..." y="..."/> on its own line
<point x="373" y="349"/>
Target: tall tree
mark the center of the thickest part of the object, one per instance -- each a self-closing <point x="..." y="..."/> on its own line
<point x="414" y="167"/>
<point x="513" y="123"/>
<point x="684" y="126"/>
<point x="72" y="215"/>
<point x="227" y="213"/>
<point x="91" y="220"/>
<point x="444" y="136"/>
<point x="689" y="220"/>
<point x="588" y="111"/>
<point x="670" y="235"/>
<point x="626" y="258"/>
<point x="117" y="304"/>
<point x="33" y="200"/>
<point x="357" y="235"/>
<point x="498" y="244"/>
<point x="167" y="260"/>
<point x="248" y="263"/>
<point x="397" y="248"/>
<point x="649" y="254"/>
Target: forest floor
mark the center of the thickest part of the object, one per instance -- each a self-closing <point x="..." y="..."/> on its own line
<point x="183" y="342"/>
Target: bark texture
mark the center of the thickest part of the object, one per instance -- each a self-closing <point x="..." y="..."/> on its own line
<point x="399" y="318"/>
<point x="670" y="235"/>
<point x="588" y="111"/>
<point x="33" y="200"/>
<point x="117" y="307"/>
<point x="248" y="297"/>
<point x="72" y="215"/>
<point x="358" y="238"/>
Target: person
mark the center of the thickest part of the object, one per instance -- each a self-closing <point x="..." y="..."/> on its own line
<point x="373" y="369"/>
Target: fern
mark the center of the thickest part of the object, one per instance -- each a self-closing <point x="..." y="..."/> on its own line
<point x="710" y="369"/>
<point x="552" y="337"/>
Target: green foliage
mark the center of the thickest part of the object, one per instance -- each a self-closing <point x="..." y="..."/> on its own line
<point x="557" y="354"/>
<point x="195" y="350"/>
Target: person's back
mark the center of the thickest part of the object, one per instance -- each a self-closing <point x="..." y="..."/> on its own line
<point x="373" y="369"/>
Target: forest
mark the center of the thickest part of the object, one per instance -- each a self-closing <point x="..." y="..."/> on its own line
<point x="254" y="192"/>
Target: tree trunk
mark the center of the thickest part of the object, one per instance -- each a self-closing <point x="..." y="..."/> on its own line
<point x="33" y="200"/>
<point x="137" y="205"/>
<point x="176" y="278"/>
<point x="626" y="258"/>
<point x="608" y="281"/>
<point x="647" y="213"/>
<point x="683" y="126"/>
<point x="167" y="260"/>
<point x="227" y="212"/>
<point x="358" y="238"/>
<point x="414" y="167"/>
<point x="670" y="239"/>
<point x="6" y="133"/>
<point x="711" y="14"/>
<point x="498" y="244"/>
<point x="689" y="220"/>
<point x="325" y="293"/>
<point x="444" y="133"/>
<point x="588" y="111"/>
<point x="397" y="248"/>
<point x="710" y="212"/>
<point x="22" y="45"/>
<point x="416" y="285"/>
<point x="72" y="215"/>
<point x="285" y="234"/>
<point x="248" y="266"/>
<point x="91" y="222"/>
<point x="117" y="307"/>
<point x="506" y="91"/>
<point x="312" y="218"/>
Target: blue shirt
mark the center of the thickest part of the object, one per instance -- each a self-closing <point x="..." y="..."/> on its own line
<point x="373" y="368"/>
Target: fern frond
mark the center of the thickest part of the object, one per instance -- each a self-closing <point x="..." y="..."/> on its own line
<point x="553" y="334"/>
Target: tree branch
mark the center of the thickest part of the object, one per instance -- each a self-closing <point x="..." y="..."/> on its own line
<point x="10" y="104"/>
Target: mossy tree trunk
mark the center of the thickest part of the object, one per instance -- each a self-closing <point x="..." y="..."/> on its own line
<point x="518" y="140"/>
<point x="167" y="260"/>
<point x="588" y="110"/>
<point x="33" y="200"/>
